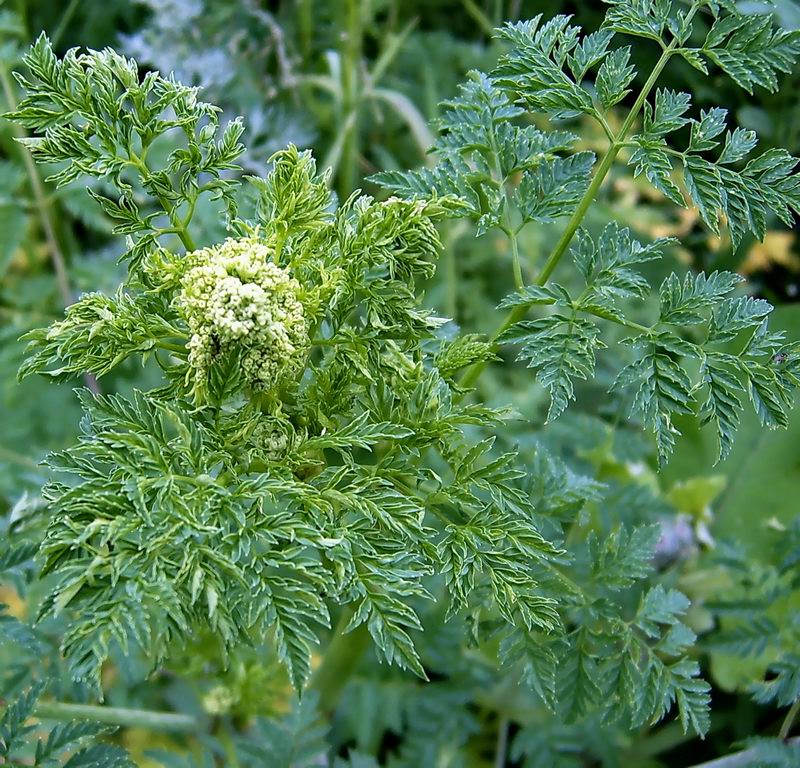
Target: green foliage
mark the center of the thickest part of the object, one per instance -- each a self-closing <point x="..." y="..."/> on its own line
<point x="562" y="345"/>
<point x="155" y="471"/>
<point x="757" y="620"/>
<point x="749" y="51"/>
<point x="544" y="71"/>
<point x="765" y="186"/>
<point x="295" y="741"/>
<point x="98" y="333"/>
<point x="67" y="744"/>
<point x="96" y="118"/>
<point x="481" y="148"/>
<point x="208" y="528"/>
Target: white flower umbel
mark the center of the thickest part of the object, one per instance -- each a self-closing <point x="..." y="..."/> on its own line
<point x="236" y="300"/>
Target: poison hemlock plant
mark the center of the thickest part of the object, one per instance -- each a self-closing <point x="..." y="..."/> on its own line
<point x="315" y="448"/>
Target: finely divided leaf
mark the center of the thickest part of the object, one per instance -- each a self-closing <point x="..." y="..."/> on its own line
<point x="614" y="77"/>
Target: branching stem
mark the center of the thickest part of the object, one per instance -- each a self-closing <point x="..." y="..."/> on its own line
<point x="472" y="374"/>
<point x="179" y="227"/>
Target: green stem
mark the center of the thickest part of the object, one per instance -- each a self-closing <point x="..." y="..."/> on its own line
<point x="786" y="727"/>
<point x="305" y="24"/>
<point x="603" y="169"/>
<point x="604" y="125"/>
<point x="39" y="197"/>
<point x="341" y="658"/>
<point x="578" y="215"/>
<point x="519" y="280"/>
<point x="180" y="227"/>
<point x="345" y="650"/>
<point x="66" y="17"/>
<point x="624" y="323"/>
<point x="170" y="346"/>
<point x="655" y="742"/>
<point x="472" y="374"/>
<point x="507" y="225"/>
<point x="6" y="454"/>
<point x="479" y="16"/>
<point x="450" y="271"/>
<point x="129" y="718"/>
<point x="351" y="61"/>
<point x="229" y="746"/>
<point x="502" y="743"/>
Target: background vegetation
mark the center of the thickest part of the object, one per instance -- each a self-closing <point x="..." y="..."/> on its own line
<point x="360" y="82"/>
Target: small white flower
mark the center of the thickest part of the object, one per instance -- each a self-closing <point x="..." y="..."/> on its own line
<point x="235" y="299"/>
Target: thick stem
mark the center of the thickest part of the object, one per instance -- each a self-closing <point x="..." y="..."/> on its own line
<point x="129" y="718"/>
<point x="339" y="662"/>
<point x="578" y="215"/>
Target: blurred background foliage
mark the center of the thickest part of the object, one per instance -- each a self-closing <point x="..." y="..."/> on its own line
<point x="359" y="82"/>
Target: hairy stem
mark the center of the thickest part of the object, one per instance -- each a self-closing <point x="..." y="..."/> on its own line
<point x="130" y="718"/>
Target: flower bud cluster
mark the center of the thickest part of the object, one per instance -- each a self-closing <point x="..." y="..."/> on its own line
<point x="236" y="300"/>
